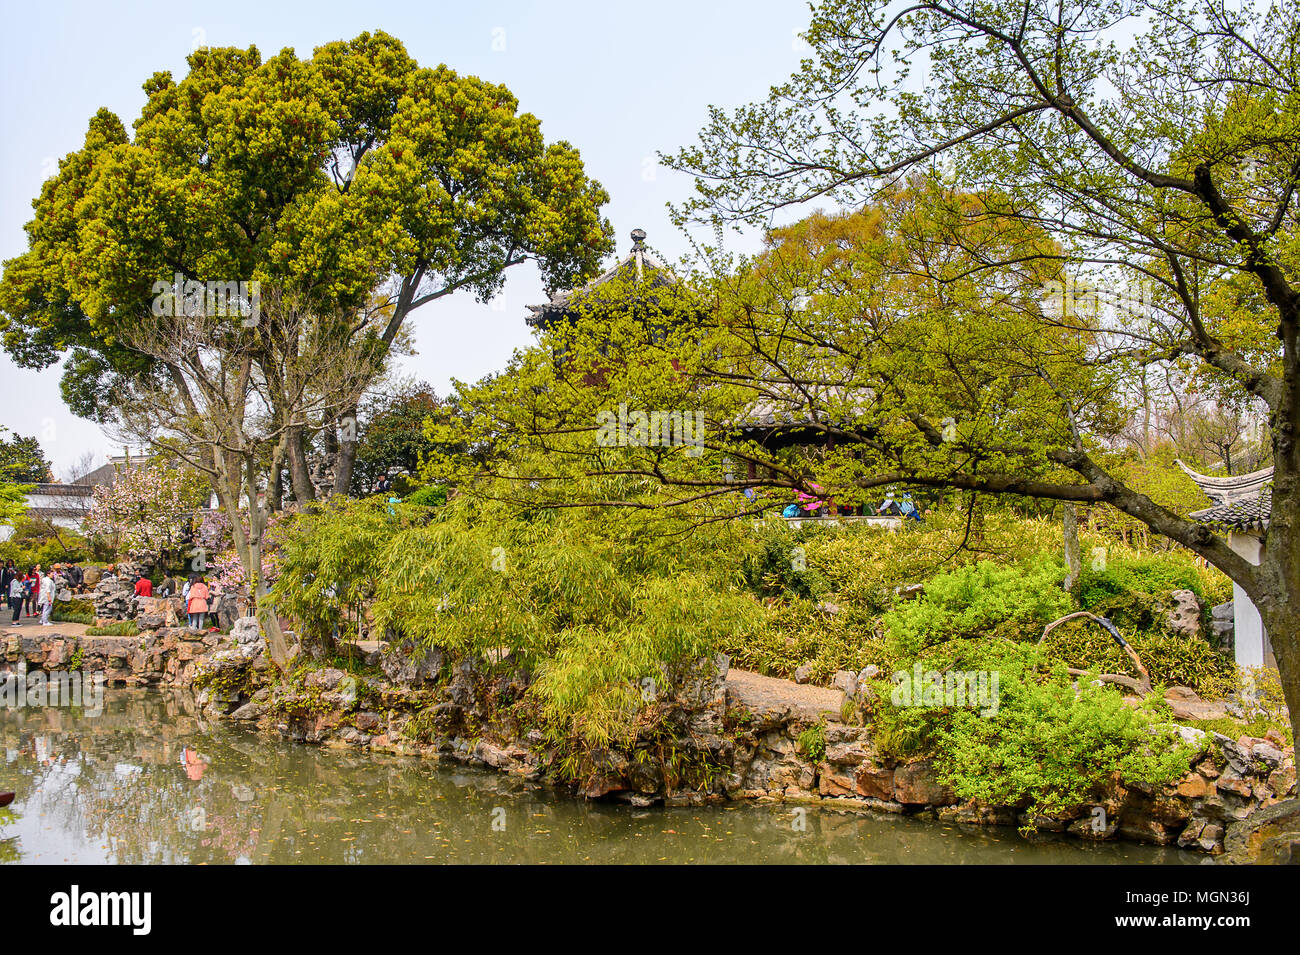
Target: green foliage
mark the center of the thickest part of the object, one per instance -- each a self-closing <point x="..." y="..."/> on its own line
<point x="779" y="568"/>
<point x="393" y="433"/>
<point x="1171" y="660"/>
<point x="430" y="495"/>
<point x="61" y="615"/>
<point x="812" y="742"/>
<point x="1150" y="576"/>
<point x="595" y="604"/>
<point x="125" y="628"/>
<point x="982" y="600"/>
<point x="326" y="176"/>
<point x="22" y="461"/>
<point x="1046" y="746"/>
<point x="801" y="632"/>
<point x="38" y="540"/>
<point x="330" y="563"/>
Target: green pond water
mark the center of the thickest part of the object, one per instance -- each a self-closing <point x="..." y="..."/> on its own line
<point x="149" y="781"/>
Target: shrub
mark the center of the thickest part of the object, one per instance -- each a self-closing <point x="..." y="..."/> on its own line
<point x="985" y="599"/>
<point x="780" y="567"/>
<point x="1170" y="660"/>
<point x="1046" y="746"/>
<point x="1147" y="577"/>
<point x="802" y="632"/>
<point x="431" y="495"/>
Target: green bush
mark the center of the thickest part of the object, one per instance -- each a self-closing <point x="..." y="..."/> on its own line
<point x="594" y="604"/>
<point x="780" y="566"/>
<point x="431" y="495"/>
<point x="803" y="632"/>
<point x="981" y="600"/>
<point x="1044" y="745"/>
<point x="1155" y="576"/>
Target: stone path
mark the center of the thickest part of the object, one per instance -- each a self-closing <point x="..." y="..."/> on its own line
<point x="32" y="627"/>
<point x="771" y="697"/>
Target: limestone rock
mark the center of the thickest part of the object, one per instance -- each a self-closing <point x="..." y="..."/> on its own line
<point x="1223" y="624"/>
<point x="875" y="782"/>
<point x="1186" y="705"/>
<point x="846" y="682"/>
<point x="404" y="663"/>
<point x="246" y="630"/>
<point x="918" y="784"/>
<point x="1184" y="616"/>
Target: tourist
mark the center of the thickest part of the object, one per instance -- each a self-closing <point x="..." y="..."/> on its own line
<point x="16" y="597"/>
<point x="908" y="509"/>
<point x="7" y="576"/>
<point x="143" y="586"/>
<point x="45" y="598"/>
<point x="196" y="604"/>
<point x="31" y="589"/>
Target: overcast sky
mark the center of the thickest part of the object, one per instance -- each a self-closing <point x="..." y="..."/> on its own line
<point x="617" y="80"/>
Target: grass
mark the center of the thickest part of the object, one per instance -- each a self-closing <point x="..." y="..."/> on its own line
<point x="125" y="628"/>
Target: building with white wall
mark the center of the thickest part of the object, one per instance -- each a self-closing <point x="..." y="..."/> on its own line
<point x="1242" y="505"/>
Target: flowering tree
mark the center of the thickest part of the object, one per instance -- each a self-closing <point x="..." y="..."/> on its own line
<point x="217" y="557"/>
<point x="147" y="511"/>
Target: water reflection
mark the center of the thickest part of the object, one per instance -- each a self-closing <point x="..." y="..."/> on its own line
<point x="149" y="781"/>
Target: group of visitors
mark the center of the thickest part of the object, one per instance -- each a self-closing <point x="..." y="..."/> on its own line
<point x="32" y="591"/>
<point x="904" y="508"/>
<point x="195" y="593"/>
<point x="891" y="506"/>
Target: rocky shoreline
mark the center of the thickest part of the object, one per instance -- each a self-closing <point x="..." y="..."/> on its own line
<point x="727" y="735"/>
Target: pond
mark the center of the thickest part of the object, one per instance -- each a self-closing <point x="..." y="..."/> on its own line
<point x="148" y="780"/>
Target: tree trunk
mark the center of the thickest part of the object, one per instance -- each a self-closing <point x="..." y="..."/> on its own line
<point x="1073" y="564"/>
<point x="299" y="474"/>
<point x="275" y="492"/>
<point x="346" y="458"/>
<point x="975" y="523"/>
<point x="1279" y="605"/>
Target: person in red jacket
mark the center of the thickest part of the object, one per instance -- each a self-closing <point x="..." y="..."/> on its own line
<point x="143" y="586"/>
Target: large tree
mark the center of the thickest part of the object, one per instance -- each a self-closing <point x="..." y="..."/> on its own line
<point x="356" y="180"/>
<point x="1157" y="142"/>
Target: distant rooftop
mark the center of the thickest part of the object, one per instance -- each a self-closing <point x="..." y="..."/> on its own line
<point x="640" y="265"/>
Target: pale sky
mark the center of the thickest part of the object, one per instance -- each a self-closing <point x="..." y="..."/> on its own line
<point x="617" y="80"/>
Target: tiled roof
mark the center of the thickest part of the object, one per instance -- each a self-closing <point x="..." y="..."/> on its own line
<point x="104" y="474"/>
<point x="1230" y="488"/>
<point x="1247" y="514"/>
<point x="639" y="266"/>
<point x="1241" y="502"/>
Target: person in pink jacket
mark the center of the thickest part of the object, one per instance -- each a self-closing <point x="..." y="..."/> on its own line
<point x="197" y="605"/>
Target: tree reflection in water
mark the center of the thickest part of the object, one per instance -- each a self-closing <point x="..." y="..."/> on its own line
<point x="150" y="781"/>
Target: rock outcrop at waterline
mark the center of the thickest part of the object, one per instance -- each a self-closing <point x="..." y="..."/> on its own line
<point x="723" y="735"/>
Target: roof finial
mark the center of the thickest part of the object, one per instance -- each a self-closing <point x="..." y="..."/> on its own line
<point x="638" y="239"/>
